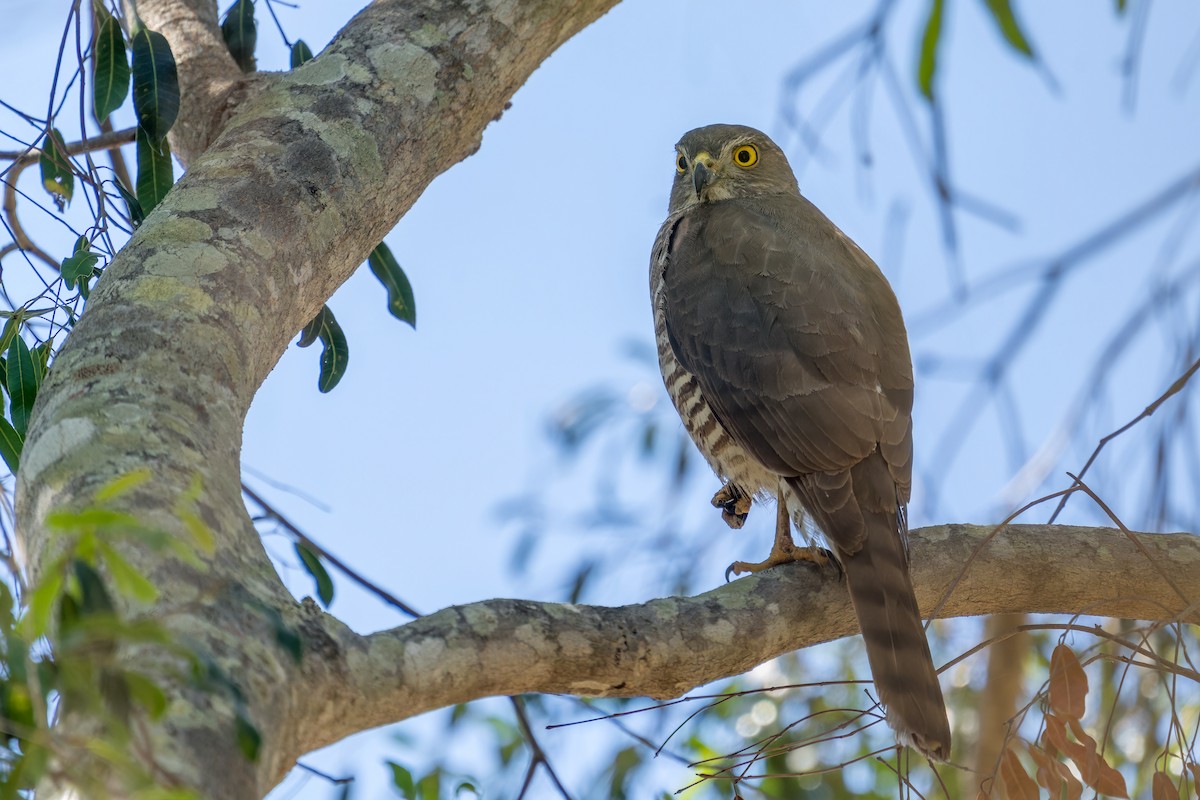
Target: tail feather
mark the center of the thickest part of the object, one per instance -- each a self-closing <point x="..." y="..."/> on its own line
<point x="870" y="542"/>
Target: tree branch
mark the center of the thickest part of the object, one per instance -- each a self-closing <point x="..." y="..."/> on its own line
<point x="664" y="648"/>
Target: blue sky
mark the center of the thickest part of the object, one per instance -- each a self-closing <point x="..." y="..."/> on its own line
<point x="528" y="262"/>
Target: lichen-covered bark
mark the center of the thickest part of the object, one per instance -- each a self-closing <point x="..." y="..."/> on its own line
<point x="666" y="647"/>
<point x="292" y="179"/>
<point x="308" y="170"/>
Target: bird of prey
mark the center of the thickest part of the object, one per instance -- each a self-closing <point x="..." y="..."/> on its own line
<point x="783" y="349"/>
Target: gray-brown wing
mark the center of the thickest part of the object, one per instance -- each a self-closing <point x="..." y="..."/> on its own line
<point x="793" y="334"/>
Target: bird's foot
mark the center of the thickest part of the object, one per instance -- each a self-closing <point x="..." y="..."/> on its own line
<point x="734" y="505"/>
<point x="783" y="554"/>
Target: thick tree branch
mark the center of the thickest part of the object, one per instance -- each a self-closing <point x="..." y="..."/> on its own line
<point x="306" y="176"/>
<point x="665" y="647"/>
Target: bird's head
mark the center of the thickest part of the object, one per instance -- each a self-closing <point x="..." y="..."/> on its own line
<point x="721" y="162"/>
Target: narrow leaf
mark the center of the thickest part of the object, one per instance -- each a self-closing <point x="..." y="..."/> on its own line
<point x="155" y="85"/>
<point x="57" y="176"/>
<point x="249" y="740"/>
<point x="128" y="580"/>
<point x="1017" y="783"/>
<point x="136" y="214"/>
<point x="42" y="600"/>
<point x="300" y="53"/>
<point x="930" y="39"/>
<point x="147" y="694"/>
<point x="10" y="328"/>
<point x="93" y="594"/>
<point x="314" y="567"/>
<point x="22" y="380"/>
<point x="11" y="443"/>
<point x="112" y="65"/>
<point x="1068" y="684"/>
<point x="402" y="781"/>
<point x="156" y="174"/>
<point x="1010" y="29"/>
<point x="122" y="484"/>
<point x="336" y="353"/>
<point x="240" y="33"/>
<point x="400" y="293"/>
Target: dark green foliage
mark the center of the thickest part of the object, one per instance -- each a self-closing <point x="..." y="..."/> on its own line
<point x="300" y="53"/>
<point x="241" y="33"/>
<point x="78" y="267"/>
<point x="312" y="564"/>
<point x="156" y="173"/>
<point x="400" y="294"/>
<point x="335" y="355"/>
<point x="111" y="83"/>
<point x="22" y="381"/>
<point x="155" y="84"/>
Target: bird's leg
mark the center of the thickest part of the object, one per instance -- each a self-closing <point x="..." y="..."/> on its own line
<point x="734" y="505"/>
<point x="784" y="550"/>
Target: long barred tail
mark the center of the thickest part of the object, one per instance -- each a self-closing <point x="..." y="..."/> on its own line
<point x="863" y="503"/>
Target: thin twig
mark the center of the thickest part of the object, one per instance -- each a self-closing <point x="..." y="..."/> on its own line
<point x="341" y="566"/>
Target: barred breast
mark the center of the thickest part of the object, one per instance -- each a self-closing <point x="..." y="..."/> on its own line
<point x="723" y="454"/>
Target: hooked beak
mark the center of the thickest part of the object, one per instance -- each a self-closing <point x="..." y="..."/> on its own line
<point x="702" y="173"/>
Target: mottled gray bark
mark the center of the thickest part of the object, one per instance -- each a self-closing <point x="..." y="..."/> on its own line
<point x="666" y="647"/>
<point x="292" y="179"/>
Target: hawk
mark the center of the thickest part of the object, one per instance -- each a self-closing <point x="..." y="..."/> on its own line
<point x="783" y="349"/>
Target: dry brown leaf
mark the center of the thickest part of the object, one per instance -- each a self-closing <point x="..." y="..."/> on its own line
<point x="1017" y="783"/>
<point x="1068" y="684"/>
<point x="1099" y="774"/>
<point x="1162" y="788"/>
<point x="1194" y="768"/>
<point x="1055" y="775"/>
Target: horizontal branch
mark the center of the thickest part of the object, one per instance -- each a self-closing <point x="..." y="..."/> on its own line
<point x="663" y="648"/>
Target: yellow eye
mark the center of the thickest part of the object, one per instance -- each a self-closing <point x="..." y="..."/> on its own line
<point x="745" y="155"/>
<point x="681" y="163"/>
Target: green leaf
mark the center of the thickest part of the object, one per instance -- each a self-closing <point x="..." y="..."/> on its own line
<point x="400" y="293"/>
<point x="430" y="787"/>
<point x="249" y="740"/>
<point x="156" y="174"/>
<point x="300" y="53"/>
<point x="42" y="600"/>
<point x="10" y="330"/>
<point x="112" y="65"/>
<point x="11" y="443"/>
<point x="155" y="86"/>
<point x="77" y="267"/>
<point x="93" y="594"/>
<point x="136" y="214"/>
<point x="1121" y="6"/>
<point x="930" y="39"/>
<point x="57" y="175"/>
<point x="147" y="694"/>
<point x="336" y="353"/>
<point x="128" y="580"/>
<point x="240" y="33"/>
<point x="402" y="780"/>
<point x="41" y="359"/>
<point x="22" y="380"/>
<point x="1010" y="29"/>
<point x="314" y="567"/>
<point x="122" y="484"/>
